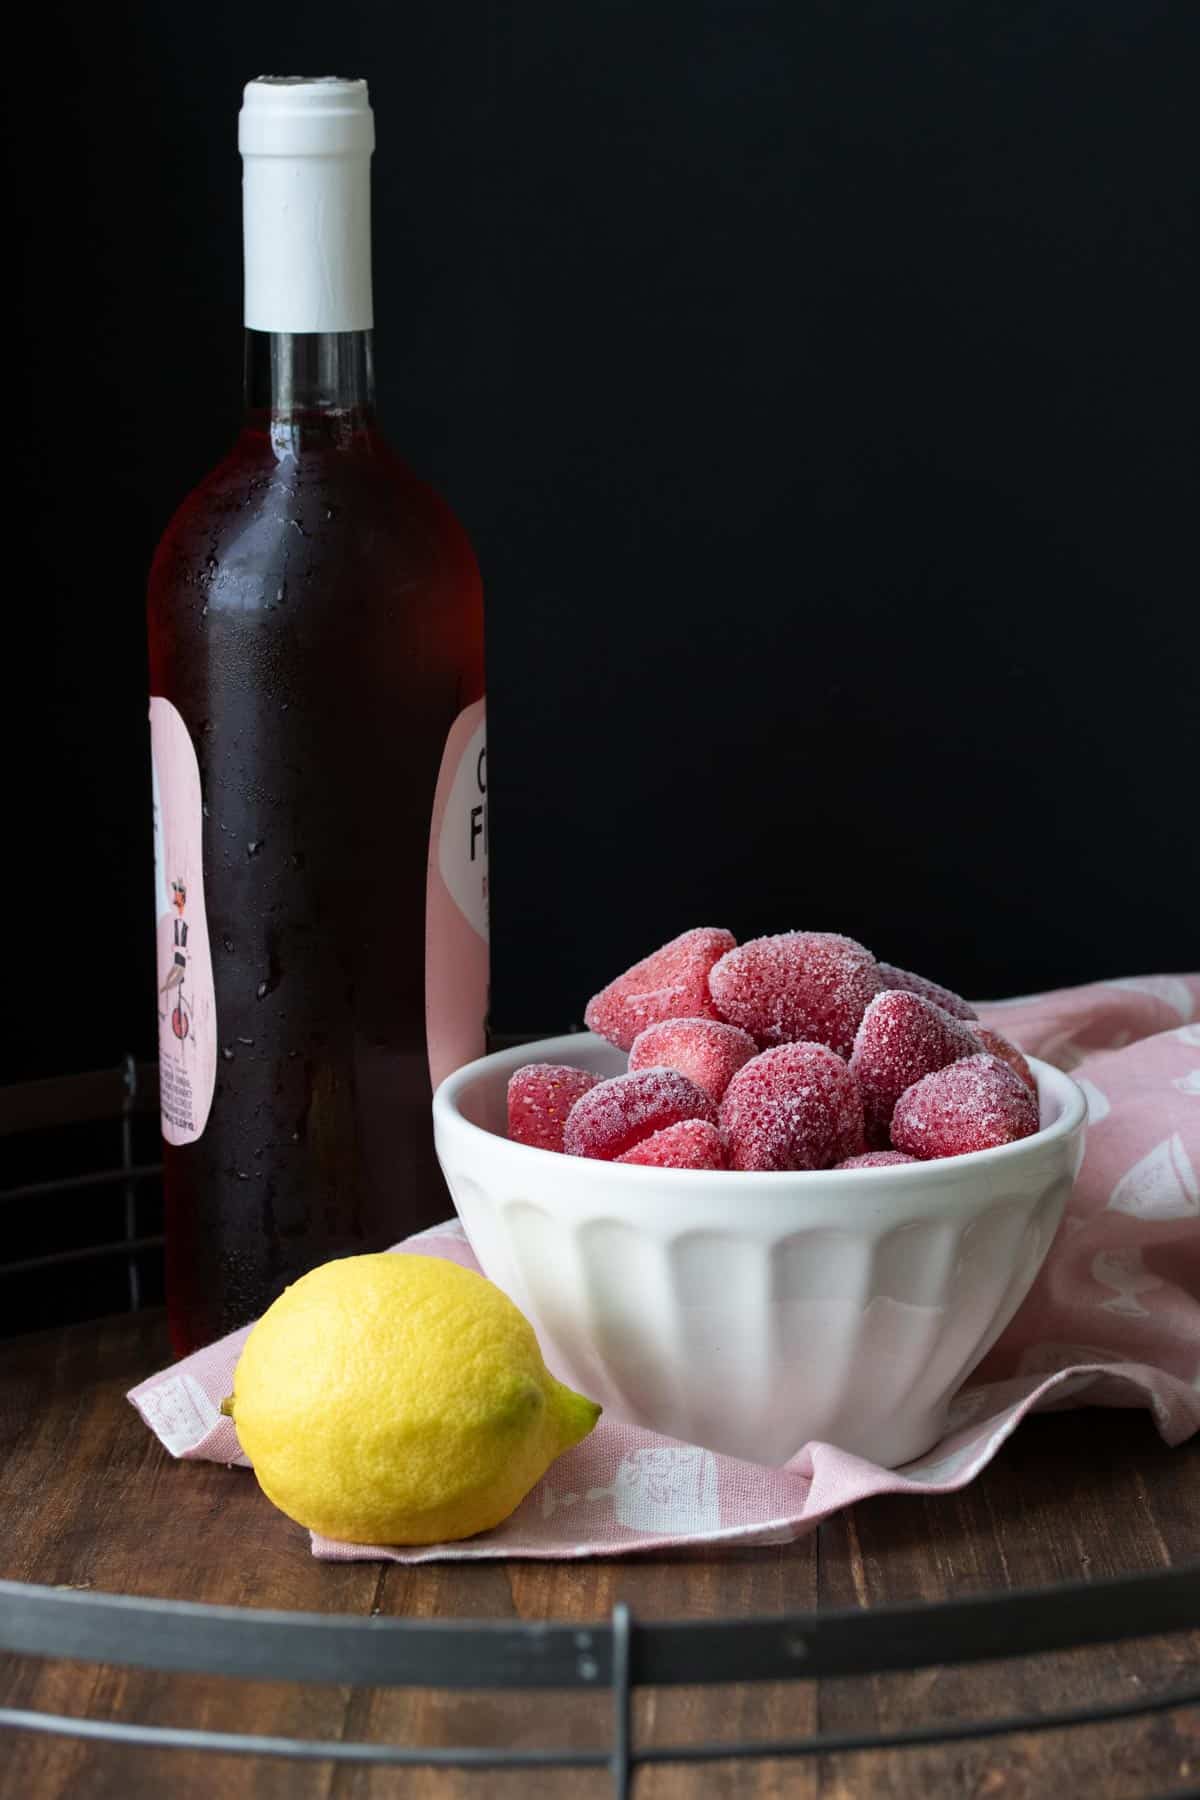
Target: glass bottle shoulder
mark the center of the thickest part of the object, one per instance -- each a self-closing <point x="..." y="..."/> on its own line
<point x="336" y="507"/>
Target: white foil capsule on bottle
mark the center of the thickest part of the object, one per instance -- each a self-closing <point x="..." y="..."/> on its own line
<point x="306" y="145"/>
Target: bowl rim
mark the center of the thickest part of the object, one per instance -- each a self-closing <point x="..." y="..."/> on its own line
<point x="937" y="1171"/>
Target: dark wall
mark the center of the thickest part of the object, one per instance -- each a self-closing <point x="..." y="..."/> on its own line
<point x="816" y="382"/>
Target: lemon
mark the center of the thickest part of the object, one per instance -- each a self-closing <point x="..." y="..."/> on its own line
<point x="399" y="1399"/>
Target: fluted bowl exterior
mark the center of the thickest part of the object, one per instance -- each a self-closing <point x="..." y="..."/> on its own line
<point x="752" y="1313"/>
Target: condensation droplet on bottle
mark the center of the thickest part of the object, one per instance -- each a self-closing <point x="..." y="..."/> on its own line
<point x="255" y="845"/>
<point x="227" y="1051"/>
<point x="263" y="989"/>
<point x="227" y="944"/>
<point x="249" y="1042"/>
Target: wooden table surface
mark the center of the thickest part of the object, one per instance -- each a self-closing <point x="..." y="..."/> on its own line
<point x="89" y="1499"/>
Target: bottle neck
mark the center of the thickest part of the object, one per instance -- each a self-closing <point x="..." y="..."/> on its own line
<point x="310" y="386"/>
<point x="306" y="226"/>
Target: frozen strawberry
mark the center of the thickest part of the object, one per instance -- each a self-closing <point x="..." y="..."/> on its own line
<point x="692" y="1144"/>
<point x="671" y="984"/>
<point x="707" y="1051"/>
<point x="794" y="1107"/>
<point x="540" y="1096"/>
<point x="617" y="1114"/>
<point x="974" y="1104"/>
<point x="998" y="1045"/>
<point x="901" y="1038"/>
<point x="876" y="1159"/>
<point x="946" y="998"/>
<point x="800" y="987"/>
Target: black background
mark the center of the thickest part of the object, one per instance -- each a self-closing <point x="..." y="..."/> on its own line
<point x="816" y="383"/>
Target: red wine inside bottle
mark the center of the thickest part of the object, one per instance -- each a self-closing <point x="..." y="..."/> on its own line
<point x="316" y="658"/>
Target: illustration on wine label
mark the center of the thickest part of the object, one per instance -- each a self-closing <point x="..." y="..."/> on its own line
<point x="187" y="1022"/>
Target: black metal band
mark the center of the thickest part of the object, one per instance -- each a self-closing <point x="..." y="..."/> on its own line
<point x="296" y="1646"/>
<point x="622" y="1760"/>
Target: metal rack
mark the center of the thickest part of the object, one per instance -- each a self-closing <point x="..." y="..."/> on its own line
<point x="173" y="1635"/>
<point x="115" y="1096"/>
<point x="616" y="1657"/>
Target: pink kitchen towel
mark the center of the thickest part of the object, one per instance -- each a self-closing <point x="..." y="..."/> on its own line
<point x="1113" y="1320"/>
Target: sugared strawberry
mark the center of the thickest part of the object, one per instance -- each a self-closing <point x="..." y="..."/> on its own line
<point x="974" y="1104"/>
<point x="876" y="1159"/>
<point x="707" y="1051"/>
<point x="540" y="1095"/>
<point x="670" y="984"/>
<point x="692" y="1144"/>
<point x="617" y="1114"/>
<point x="998" y="1045"/>
<point x="946" y="998"/>
<point x="902" y="1037"/>
<point x="794" y="1107"/>
<point x="802" y="986"/>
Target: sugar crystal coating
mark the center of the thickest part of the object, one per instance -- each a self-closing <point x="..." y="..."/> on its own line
<point x="707" y="1051"/>
<point x="670" y="984"/>
<point x="801" y="986"/>
<point x="902" y="1037"/>
<point x="974" y="1104"/>
<point x="617" y="1114"/>
<point x="692" y="1144"/>
<point x="876" y="1159"/>
<point x="794" y="1107"/>
<point x="998" y="1045"/>
<point x="946" y="998"/>
<point x="540" y="1095"/>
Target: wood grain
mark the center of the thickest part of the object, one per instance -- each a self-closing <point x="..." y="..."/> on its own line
<point x="1072" y="1496"/>
<point x="88" y="1498"/>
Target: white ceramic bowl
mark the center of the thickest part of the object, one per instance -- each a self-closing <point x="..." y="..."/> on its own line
<point x="752" y="1312"/>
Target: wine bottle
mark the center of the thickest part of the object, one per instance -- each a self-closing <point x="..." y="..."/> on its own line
<point x="319" y="765"/>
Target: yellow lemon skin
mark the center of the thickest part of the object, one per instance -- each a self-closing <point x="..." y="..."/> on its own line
<point x="399" y="1399"/>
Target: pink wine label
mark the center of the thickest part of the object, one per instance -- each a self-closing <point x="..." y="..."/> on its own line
<point x="456" y="909"/>
<point x="187" y="1012"/>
